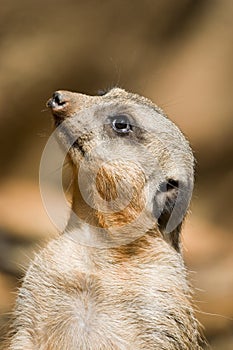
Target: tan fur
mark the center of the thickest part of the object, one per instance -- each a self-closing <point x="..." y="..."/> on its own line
<point x="115" y="279"/>
<point x="106" y="181"/>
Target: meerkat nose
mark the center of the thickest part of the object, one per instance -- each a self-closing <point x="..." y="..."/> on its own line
<point x="60" y="104"/>
<point x="57" y="101"/>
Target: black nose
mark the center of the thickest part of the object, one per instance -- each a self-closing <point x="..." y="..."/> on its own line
<point x="57" y="100"/>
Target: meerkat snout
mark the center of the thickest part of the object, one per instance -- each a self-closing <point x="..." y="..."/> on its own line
<point x="58" y="103"/>
<point x="58" y="99"/>
<point x="63" y="104"/>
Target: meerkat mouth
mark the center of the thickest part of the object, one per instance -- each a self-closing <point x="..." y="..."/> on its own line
<point x="67" y="138"/>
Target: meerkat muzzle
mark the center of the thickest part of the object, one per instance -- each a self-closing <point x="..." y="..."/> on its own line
<point x="58" y="104"/>
<point x="65" y="104"/>
<point x="57" y="100"/>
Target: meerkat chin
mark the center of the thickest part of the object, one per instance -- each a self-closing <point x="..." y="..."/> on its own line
<point x="115" y="279"/>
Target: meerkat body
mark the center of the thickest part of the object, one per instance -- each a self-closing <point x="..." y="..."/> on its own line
<point x="115" y="279"/>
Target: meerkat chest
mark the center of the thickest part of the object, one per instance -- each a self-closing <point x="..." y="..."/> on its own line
<point x="73" y="302"/>
<point x="79" y="301"/>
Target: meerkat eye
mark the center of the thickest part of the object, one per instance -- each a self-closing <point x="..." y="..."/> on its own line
<point x="121" y="124"/>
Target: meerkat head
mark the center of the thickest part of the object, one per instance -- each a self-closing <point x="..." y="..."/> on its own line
<point x="133" y="167"/>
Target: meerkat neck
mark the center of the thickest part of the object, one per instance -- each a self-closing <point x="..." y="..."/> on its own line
<point x="83" y="211"/>
<point x="101" y="206"/>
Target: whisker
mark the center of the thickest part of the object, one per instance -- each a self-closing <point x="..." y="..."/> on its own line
<point x="44" y="110"/>
<point x="69" y="185"/>
<point x="63" y="166"/>
<point x="213" y="314"/>
<point x="43" y="134"/>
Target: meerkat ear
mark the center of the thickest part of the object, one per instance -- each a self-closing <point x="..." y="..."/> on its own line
<point x="169" y="207"/>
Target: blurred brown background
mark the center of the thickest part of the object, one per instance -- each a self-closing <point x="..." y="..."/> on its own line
<point x="179" y="53"/>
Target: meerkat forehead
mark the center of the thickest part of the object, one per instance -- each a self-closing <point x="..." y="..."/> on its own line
<point x="124" y="97"/>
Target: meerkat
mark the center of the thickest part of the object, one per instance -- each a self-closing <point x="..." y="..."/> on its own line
<point x="115" y="278"/>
